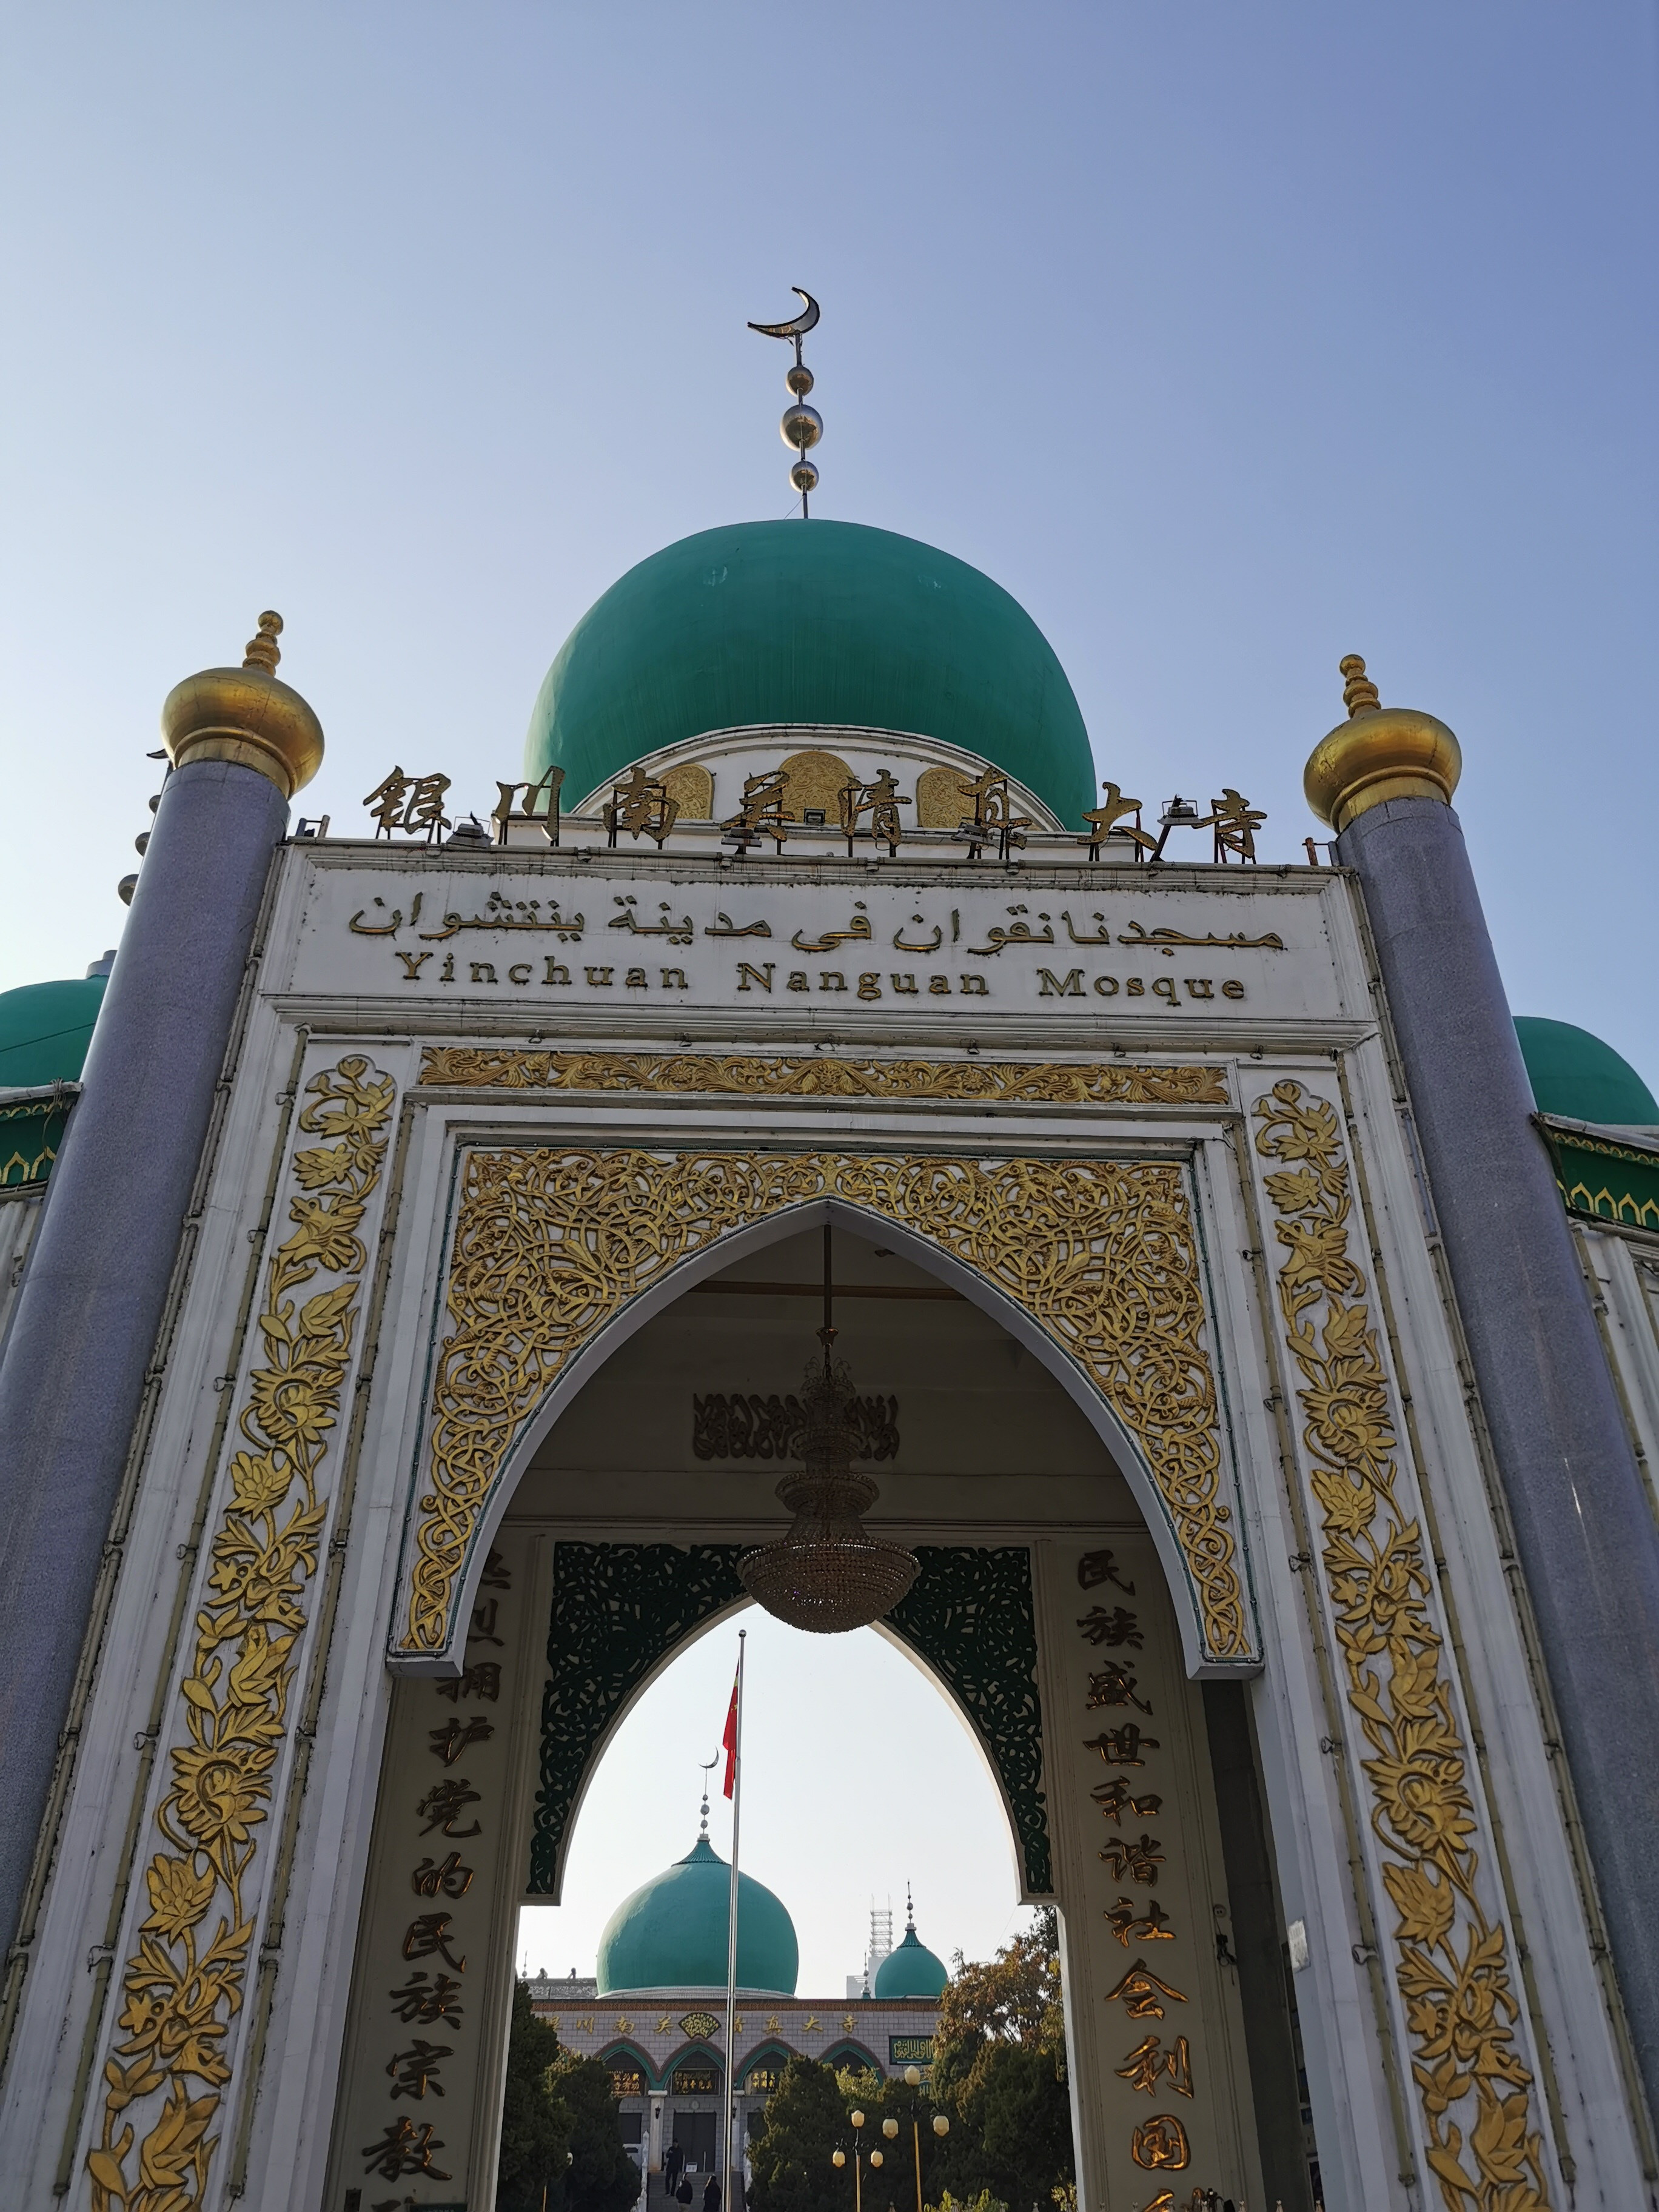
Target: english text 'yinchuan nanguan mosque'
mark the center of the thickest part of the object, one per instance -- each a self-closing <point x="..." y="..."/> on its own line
<point x="1241" y="1400"/>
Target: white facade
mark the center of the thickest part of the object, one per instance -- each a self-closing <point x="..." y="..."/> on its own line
<point x="879" y="1026"/>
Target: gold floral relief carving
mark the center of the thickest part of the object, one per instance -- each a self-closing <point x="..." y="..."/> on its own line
<point x="183" y="1984"/>
<point x="550" y="1243"/>
<point x="815" y="779"/>
<point x="942" y="798"/>
<point x="1054" y="1083"/>
<point x="692" y="789"/>
<point x="1451" y="1959"/>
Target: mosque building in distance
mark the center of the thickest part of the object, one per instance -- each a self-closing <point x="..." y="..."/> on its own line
<point x="654" y="2013"/>
<point x="813" y="1143"/>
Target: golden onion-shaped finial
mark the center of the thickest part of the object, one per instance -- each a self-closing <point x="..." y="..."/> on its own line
<point x="1359" y="693"/>
<point x="245" y="715"/>
<point x="264" y="652"/>
<point x="1380" y="752"/>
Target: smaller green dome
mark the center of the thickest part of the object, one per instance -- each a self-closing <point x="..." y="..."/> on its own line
<point x="1576" y="1075"/>
<point x="912" y="1970"/>
<point x="45" y="1030"/>
<point x="671" y="1933"/>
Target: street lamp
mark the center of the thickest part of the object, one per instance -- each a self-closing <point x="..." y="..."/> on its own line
<point x="838" y="2158"/>
<point x="890" y="2128"/>
<point x="941" y="2127"/>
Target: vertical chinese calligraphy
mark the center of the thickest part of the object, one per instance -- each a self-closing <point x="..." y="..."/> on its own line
<point x="436" y="1937"/>
<point x="1114" y="1687"/>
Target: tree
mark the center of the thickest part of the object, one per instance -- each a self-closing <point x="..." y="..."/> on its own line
<point x="998" y="2078"/>
<point x="601" y="2176"/>
<point x="535" y="2124"/>
<point x="1015" y="1998"/>
<point x="792" y="2152"/>
<point x="1021" y="2112"/>
<point x="999" y="2072"/>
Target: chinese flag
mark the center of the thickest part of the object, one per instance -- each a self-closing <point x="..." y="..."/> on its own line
<point x="729" y="1743"/>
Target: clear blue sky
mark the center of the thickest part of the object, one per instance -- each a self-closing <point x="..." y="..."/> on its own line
<point x="1230" y="339"/>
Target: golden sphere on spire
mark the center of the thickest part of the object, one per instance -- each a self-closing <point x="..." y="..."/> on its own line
<point x="1379" y="752"/>
<point x="245" y="715"/>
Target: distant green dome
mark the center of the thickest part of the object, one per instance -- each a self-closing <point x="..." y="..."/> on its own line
<point x="1576" y="1075"/>
<point x="45" y="1030"/>
<point x="912" y="1970"/>
<point x="671" y="1933"/>
<point x="809" y="622"/>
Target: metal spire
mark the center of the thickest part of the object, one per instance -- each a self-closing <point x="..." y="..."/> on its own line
<point x="802" y="426"/>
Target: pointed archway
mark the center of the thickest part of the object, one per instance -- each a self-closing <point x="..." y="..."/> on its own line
<point x="1095" y="1265"/>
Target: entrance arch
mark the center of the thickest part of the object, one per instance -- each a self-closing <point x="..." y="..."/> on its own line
<point x="600" y="1576"/>
<point x="1093" y="1264"/>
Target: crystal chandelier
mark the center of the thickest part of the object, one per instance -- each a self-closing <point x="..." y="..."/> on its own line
<point x="828" y="1573"/>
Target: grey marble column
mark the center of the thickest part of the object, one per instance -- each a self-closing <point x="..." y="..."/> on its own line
<point x="1584" y="1526"/>
<point x="83" y="1333"/>
<point x="85" y="1329"/>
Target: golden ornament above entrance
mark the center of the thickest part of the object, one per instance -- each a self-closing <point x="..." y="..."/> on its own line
<point x="552" y="1244"/>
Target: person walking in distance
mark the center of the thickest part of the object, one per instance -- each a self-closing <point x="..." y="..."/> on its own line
<point x="673" y="2164"/>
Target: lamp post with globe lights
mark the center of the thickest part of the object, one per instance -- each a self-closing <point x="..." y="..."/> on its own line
<point x="941" y="2128"/>
<point x="838" y="2158"/>
<point x="889" y="2128"/>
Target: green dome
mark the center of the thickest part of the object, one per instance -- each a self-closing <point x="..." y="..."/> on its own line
<point x="671" y="1934"/>
<point x="1576" y="1075"/>
<point x="45" y="1030"/>
<point x="809" y="622"/>
<point x="912" y="1970"/>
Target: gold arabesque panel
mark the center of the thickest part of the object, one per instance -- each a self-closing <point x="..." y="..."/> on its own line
<point x="692" y="789"/>
<point x="550" y="1242"/>
<point x="165" y="2076"/>
<point x="1053" y="1082"/>
<point x="1451" y="1957"/>
<point x="815" y="779"/>
<point x="942" y="798"/>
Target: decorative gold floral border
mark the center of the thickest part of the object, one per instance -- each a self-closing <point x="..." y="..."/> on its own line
<point x="1451" y="1959"/>
<point x="182" y="1993"/>
<point x="1054" y="1083"/>
<point x="550" y="1243"/>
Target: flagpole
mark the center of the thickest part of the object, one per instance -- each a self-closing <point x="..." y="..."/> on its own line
<point x="732" y="1930"/>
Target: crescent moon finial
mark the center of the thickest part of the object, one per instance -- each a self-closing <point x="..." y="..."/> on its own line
<point x="798" y="328"/>
<point x="802" y="426"/>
